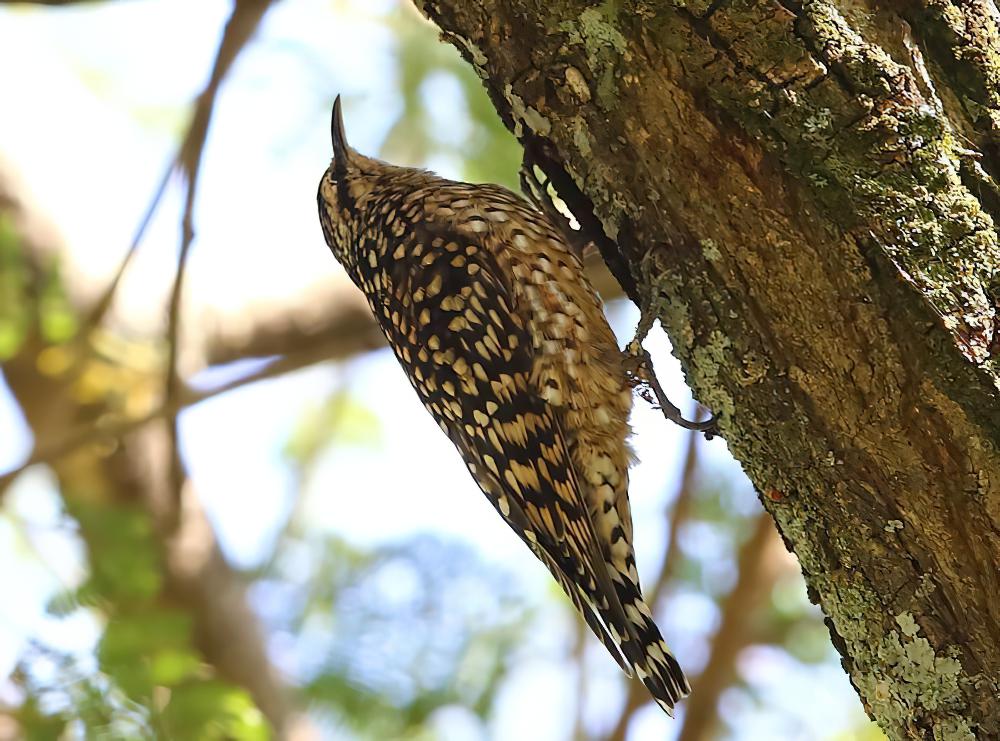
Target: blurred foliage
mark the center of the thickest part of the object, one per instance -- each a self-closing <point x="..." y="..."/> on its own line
<point x="63" y="698"/>
<point x="487" y="152"/>
<point x="147" y="678"/>
<point x="19" y="289"/>
<point x="382" y="639"/>
<point x="14" y="281"/>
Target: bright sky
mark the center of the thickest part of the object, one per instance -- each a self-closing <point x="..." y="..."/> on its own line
<point x="90" y="120"/>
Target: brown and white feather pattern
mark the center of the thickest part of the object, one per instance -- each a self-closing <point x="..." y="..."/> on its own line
<point x="492" y="318"/>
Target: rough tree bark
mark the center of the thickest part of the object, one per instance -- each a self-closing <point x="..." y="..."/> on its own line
<point x="806" y="192"/>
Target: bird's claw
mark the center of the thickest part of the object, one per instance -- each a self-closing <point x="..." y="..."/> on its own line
<point x="639" y="371"/>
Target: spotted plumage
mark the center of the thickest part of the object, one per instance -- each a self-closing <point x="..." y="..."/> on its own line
<point x="490" y="314"/>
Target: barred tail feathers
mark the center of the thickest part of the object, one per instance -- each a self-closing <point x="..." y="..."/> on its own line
<point x="643" y="646"/>
<point x="653" y="662"/>
<point x="628" y="632"/>
<point x="636" y="643"/>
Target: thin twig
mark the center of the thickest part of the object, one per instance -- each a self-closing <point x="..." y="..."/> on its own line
<point x="187" y="157"/>
<point x="103" y="304"/>
<point x="677" y="517"/>
<point x="51" y="3"/>
<point x="581" y="636"/>
<point x="242" y="24"/>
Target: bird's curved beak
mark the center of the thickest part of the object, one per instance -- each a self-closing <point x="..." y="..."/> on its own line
<point x="341" y="151"/>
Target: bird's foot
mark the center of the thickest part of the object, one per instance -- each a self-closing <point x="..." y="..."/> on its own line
<point x="639" y="366"/>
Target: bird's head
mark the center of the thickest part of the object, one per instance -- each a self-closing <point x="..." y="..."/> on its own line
<point x="345" y="190"/>
<point x="359" y="195"/>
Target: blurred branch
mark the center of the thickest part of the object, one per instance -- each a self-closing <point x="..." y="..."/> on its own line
<point x="228" y="631"/>
<point x="343" y="326"/>
<point x="94" y="433"/>
<point x="677" y="514"/>
<point x="54" y="3"/>
<point x="239" y="29"/>
<point x="339" y="335"/>
<point x="736" y="631"/>
<point x="581" y="637"/>
<point x="677" y="517"/>
<point x="340" y="321"/>
<point x="242" y="25"/>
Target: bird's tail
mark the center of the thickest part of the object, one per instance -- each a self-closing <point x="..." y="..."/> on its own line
<point x="640" y="642"/>
<point x="625" y="626"/>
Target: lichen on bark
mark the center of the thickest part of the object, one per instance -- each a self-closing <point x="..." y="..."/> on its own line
<point x="814" y="185"/>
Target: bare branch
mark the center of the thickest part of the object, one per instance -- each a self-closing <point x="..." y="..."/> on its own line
<point x="242" y="25"/>
<point x="51" y="3"/>
<point x="228" y="631"/>
<point x="308" y="354"/>
<point x="103" y="303"/>
<point x="677" y="517"/>
<point x="340" y="322"/>
<point x="338" y="319"/>
<point x="581" y="637"/>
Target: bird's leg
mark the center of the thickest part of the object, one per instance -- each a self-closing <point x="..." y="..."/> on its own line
<point x="638" y="364"/>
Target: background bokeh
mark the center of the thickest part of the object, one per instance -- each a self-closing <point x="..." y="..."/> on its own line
<point x="392" y="602"/>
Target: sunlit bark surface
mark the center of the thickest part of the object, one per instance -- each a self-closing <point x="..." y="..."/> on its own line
<point x="806" y="193"/>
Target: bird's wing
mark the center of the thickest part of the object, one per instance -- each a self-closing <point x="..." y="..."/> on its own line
<point x="448" y="314"/>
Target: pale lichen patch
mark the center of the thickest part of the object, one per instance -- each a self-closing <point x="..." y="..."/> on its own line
<point x="706" y="361"/>
<point x="524" y="114"/>
<point x="900" y="672"/>
<point x="538" y="123"/>
<point x="476" y="56"/>
<point x="604" y="45"/>
<point x="906" y="622"/>
<point x="710" y="250"/>
<point x="577" y="84"/>
<point x="581" y="136"/>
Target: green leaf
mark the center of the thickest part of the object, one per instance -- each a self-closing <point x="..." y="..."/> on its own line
<point x="133" y="644"/>
<point x="57" y="318"/>
<point x="125" y="561"/>
<point x="212" y="711"/>
<point x="15" y="305"/>
<point x="171" y="666"/>
<point x="67" y="601"/>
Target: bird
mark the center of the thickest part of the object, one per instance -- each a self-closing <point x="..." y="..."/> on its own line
<point x="488" y="310"/>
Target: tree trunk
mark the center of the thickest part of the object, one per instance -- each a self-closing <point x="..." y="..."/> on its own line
<point x="806" y="194"/>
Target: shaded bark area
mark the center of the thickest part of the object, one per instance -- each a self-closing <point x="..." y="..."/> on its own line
<point x="806" y="195"/>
